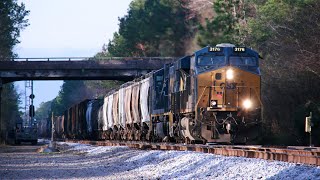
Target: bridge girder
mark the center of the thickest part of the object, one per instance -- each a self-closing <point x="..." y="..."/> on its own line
<point x="124" y="70"/>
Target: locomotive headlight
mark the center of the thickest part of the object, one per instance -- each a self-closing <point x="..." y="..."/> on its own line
<point x="213" y="103"/>
<point x="247" y="104"/>
<point x="229" y="74"/>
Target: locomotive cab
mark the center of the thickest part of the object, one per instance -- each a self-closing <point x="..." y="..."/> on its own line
<point x="228" y="92"/>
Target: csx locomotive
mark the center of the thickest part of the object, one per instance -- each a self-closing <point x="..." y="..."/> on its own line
<point x="210" y="96"/>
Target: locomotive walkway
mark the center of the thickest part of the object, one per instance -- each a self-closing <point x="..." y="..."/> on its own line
<point x="78" y="68"/>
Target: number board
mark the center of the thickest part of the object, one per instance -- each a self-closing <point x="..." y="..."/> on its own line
<point x="239" y="49"/>
<point x="215" y="49"/>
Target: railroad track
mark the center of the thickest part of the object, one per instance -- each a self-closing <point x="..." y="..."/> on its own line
<point x="293" y="154"/>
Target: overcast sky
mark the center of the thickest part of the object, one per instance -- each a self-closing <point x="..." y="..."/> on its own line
<point x="67" y="28"/>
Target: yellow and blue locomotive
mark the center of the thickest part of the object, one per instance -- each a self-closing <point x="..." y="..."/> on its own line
<point x="210" y="96"/>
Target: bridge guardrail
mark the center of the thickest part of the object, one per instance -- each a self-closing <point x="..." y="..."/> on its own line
<point x="88" y="58"/>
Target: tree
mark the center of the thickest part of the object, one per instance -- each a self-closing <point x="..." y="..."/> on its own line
<point x="12" y="21"/>
<point x="9" y="108"/>
<point x="72" y="92"/>
<point x="43" y="111"/>
<point x="152" y="28"/>
<point x="225" y="26"/>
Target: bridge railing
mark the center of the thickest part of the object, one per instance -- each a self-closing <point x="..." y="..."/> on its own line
<point x="88" y="58"/>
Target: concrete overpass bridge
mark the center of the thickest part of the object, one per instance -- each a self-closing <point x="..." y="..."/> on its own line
<point x="78" y="68"/>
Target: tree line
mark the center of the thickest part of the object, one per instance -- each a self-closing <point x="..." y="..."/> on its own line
<point x="285" y="32"/>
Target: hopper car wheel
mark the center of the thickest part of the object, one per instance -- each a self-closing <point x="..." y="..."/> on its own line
<point x="131" y="135"/>
<point x="137" y="135"/>
<point x="118" y="135"/>
<point x="187" y="140"/>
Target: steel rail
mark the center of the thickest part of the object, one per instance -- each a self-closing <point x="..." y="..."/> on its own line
<point x="291" y="154"/>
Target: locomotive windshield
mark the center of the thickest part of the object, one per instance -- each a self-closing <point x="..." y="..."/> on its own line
<point x="216" y="61"/>
<point x="242" y="61"/>
<point x="247" y="63"/>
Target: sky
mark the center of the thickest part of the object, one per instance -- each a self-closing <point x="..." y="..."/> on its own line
<point x="66" y="28"/>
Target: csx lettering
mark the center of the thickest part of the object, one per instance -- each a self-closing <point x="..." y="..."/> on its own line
<point x="231" y="85"/>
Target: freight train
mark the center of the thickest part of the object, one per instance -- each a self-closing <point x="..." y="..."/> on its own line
<point x="211" y="96"/>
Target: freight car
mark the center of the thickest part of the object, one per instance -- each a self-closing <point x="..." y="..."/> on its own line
<point x="211" y="96"/>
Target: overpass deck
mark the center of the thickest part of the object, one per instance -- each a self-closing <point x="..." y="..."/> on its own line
<point x="79" y="68"/>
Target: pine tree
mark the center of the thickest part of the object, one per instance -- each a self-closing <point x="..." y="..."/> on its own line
<point x="224" y="27"/>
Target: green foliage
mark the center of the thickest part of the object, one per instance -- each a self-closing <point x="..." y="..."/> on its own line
<point x="12" y="21"/>
<point x="287" y="33"/>
<point x="43" y="111"/>
<point x="152" y="28"/>
<point x="118" y="47"/>
<point x="269" y="15"/>
<point x="223" y="28"/>
<point x="9" y="106"/>
<point x="100" y="88"/>
<point x="72" y="92"/>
